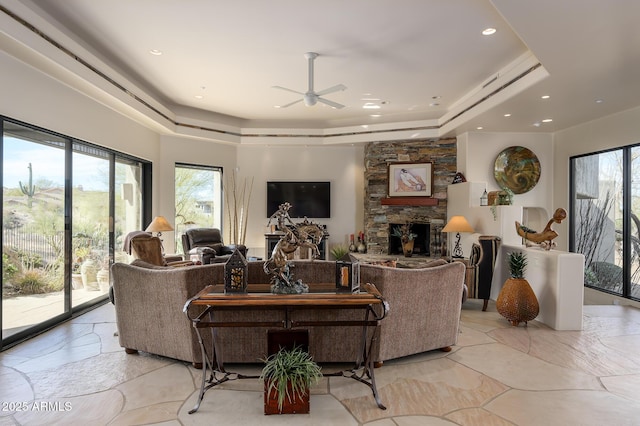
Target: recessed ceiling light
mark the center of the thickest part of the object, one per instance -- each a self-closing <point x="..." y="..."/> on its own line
<point x="375" y="115"/>
<point x="507" y="115"/>
<point x="536" y="124"/>
<point x="434" y="104"/>
<point x="365" y="126"/>
<point x="489" y="31"/>
<point x="370" y="105"/>
<point x="155" y="52"/>
<point x="479" y="128"/>
<point x="436" y="97"/>
<point x="199" y="96"/>
<point x="545" y="96"/>
<point x="547" y="120"/>
<point x="599" y="101"/>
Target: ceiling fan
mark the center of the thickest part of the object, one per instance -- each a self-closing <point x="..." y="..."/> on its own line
<point x="310" y="97"/>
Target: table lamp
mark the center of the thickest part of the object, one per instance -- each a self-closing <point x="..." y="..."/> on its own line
<point x="457" y="224"/>
<point x="159" y="224"/>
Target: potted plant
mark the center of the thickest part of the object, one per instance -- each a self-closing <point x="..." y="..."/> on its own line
<point x="406" y="237"/>
<point x="517" y="302"/>
<point x="339" y="251"/>
<point x="288" y="374"/>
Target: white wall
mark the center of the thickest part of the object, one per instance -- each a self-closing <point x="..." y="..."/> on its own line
<point x="32" y="97"/>
<point x="477" y="152"/>
<point x="343" y="166"/>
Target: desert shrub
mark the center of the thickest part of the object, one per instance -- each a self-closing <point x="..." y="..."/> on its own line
<point x="37" y="281"/>
<point x="31" y="260"/>
<point x="8" y="268"/>
<point x="31" y="281"/>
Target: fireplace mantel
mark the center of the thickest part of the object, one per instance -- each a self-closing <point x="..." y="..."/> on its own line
<point x="409" y="201"/>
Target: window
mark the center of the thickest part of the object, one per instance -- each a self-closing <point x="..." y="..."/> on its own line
<point x="605" y="226"/>
<point x="198" y="193"/>
<point x="49" y="271"/>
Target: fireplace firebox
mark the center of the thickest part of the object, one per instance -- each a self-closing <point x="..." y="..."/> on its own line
<point x="421" y="241"/>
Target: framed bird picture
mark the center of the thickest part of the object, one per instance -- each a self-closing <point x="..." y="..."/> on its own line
<point x="410" y="179"/>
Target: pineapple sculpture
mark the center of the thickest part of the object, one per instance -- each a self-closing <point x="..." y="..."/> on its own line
<point x="517" y="302"/>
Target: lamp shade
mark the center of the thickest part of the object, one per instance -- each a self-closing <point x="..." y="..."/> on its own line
<point x="159" y="224"/>
<point x="457" y="224"/>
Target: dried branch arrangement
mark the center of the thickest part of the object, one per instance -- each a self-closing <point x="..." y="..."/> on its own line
<point x="237" y="198"/>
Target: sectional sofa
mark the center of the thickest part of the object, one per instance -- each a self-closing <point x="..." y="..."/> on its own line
<point x="424" y="311"/>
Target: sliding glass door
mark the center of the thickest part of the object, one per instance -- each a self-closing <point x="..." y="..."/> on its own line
<point x="90" y="223"/>
<point x="33" y="202"/>
<point x="66" y="207"/>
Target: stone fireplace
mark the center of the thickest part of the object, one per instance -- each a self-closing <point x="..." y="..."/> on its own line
<point x="378" y="217"/>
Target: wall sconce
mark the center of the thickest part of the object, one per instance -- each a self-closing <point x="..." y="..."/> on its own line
<point x="457" y="224"/>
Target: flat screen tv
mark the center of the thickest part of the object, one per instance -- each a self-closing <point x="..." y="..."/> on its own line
<point x="308" y="199"/>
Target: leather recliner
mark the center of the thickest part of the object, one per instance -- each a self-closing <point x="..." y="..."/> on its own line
<point x="198" y="240"/>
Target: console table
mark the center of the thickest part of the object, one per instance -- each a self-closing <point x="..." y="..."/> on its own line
<point x="370" y="302"/>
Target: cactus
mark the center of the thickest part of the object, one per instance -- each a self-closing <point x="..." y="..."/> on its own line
<point x="29" y="189"/>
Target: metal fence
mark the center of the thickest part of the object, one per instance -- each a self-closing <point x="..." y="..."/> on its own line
<point x="26" y="240"/>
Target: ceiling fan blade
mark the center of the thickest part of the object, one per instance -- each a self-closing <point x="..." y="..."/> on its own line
<point x="336" y="88"/>
<point x="290" y="103"/>
<point x="288" y="90"/>
<point x="330" y="103"/>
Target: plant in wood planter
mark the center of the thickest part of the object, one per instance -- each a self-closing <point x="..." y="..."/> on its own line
<point x="517" y="302"/>
<point x="406" y="238"/>
<point x="288" y="374"/>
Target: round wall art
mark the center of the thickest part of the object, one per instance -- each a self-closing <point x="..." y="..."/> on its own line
<point x="518" y="169"/>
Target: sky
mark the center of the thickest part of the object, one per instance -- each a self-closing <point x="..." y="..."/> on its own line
<point x="48" y="163"/>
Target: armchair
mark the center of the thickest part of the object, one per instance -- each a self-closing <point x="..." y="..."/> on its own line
<point x="198" y="238"/>
<point x="142" y="245"/>
<point x="481" y="265"/>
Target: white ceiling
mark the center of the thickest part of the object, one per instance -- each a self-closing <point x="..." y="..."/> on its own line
<point x="400" y="53"/>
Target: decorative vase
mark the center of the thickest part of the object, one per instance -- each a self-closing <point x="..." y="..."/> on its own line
<point x="103" y="280"/>
<point x="76" y="281"/>
<point x="517" y="302"/>
<point x="407" y="248"/>
<point x="89" y="272"/>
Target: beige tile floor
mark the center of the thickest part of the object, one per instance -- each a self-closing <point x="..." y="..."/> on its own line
<point x="497" y="374"/>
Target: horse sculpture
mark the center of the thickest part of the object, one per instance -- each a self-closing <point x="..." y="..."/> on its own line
<point x="304" y="235"/>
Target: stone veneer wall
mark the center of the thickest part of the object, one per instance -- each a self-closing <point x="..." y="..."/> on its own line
<point x="377" y="157"/>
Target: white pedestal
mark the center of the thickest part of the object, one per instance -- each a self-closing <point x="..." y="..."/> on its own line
<point x="557" y="279"/>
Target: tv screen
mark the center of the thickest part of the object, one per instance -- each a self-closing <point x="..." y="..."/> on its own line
<point x="308" y="199"/>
